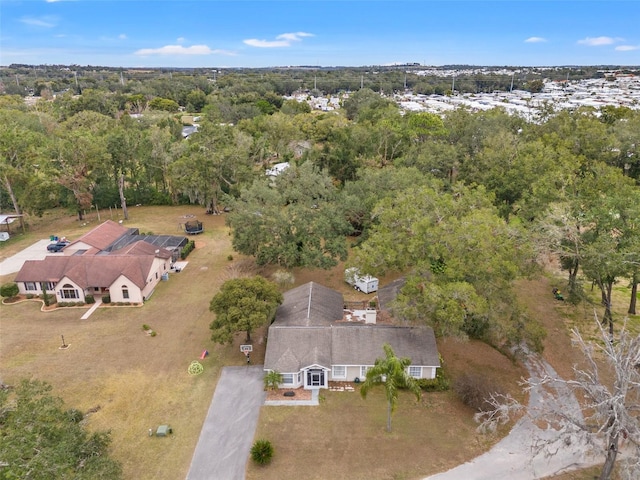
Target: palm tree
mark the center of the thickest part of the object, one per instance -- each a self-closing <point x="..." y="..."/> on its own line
<point x="392" y="373"/>
<point x="272" y="380"/>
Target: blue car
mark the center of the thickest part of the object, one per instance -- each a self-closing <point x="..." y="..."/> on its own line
<point x="57" y="247"/>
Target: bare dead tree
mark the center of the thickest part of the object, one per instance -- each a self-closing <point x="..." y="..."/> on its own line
<point x="608" y="388"/>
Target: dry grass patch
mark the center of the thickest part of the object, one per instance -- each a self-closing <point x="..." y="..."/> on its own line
<point x="430" y="436"/>
<point x="349" y="433"/>
<point x="128" y="380"/>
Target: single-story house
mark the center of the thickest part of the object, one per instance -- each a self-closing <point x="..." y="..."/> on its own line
<point x="109" y="259"/>
<point x="315" y="339"/>
<point x="127" y="275"/>
<point x="109" y="237"/>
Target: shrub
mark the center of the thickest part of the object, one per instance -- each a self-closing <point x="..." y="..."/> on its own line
<point x="262" y="452"/>
<point x="153" y="333"/>
<point x="106" y="299"/>
<point x="89" y="299"/>
<point x="145" y="327"/>
<point x="475" y="391"/>
<point x="75" y="415"/>
<point x="186" y="250"/>
<point x="30" y="296"/>
<point x="439" y="384"/>
<point x="230" y="258"/>
<point x="9" y="290"/>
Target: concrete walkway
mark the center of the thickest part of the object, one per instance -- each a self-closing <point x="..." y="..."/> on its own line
<point x="227" y="434"/>
<point x="93" y="308"/>
<point x="529" y="452"/>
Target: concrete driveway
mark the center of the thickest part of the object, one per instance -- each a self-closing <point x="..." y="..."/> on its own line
<point x="530" y="452"/>
<point x="227" y="434"/>
<point x="37" y="251"/>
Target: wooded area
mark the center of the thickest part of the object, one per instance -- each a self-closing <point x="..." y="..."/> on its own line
<point x="461" y="203"/>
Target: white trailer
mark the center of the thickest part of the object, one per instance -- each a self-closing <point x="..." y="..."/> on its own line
<point x="362" y="283"/>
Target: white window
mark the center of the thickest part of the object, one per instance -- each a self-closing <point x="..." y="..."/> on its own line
<point x="287" y="378"/>
<point x="51" y="285"/>
<point x="125" y="293"/>
<point x="299" y="377"/>
<point x="363" y="372"/>
<point x="415" y="372"/>
<point x="339" y="371"/>
<point x="68" y="291"/>
<point x="30" y="286"/>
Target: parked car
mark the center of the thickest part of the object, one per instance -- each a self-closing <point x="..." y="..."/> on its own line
<point x="57" y="247"/>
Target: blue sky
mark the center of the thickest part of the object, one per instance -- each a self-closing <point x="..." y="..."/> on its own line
<point x="216" y="33"/>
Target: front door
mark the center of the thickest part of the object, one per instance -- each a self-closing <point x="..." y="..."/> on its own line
<point x="315" y="378"/>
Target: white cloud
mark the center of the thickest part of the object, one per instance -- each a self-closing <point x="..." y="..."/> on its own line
<point x="535" y="40"/>
<point x="598" y="41"/>
<point x="180" y="39"/>
<point x="122" y="36"/>
<point x="46" y="21"/>
<point x="284" y="40"/>
<point x="627" y="48"/>
<point x="181" y="50"/>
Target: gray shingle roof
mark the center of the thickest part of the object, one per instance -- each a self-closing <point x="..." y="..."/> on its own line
<point x="291" y="348"/>
<point x="305" y="333"/>
<point x="388" y="293"/>
<point x="310" y="304"/>
<point x="361" y="344"/>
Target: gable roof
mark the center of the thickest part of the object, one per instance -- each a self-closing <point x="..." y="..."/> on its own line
<point x="92" y="271"/>
<point x="103" y="235"/>
<point x="389" y="292"/>
<point x="354" y="344"/>
<point x="310" y="304"/>
<point x="308" y="330"/>
<point x="291" y="348"/>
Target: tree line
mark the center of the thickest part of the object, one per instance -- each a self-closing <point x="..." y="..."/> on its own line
<point x="465" y="203"/>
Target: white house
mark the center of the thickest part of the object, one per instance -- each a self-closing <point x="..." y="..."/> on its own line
<point x="311" y="342"/>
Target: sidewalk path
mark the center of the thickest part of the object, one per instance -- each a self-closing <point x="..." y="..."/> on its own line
<point x="227" y="434"/>
<point x="517" y="456"/>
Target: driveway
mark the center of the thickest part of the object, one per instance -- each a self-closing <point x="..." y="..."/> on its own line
<point x="227" y="434"/>
<point x="37" y="251"/>
<point x="530" y="452"/>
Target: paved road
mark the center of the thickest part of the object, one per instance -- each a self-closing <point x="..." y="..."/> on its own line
<point x="227" y="434"/>
<point x="529" y="452"/>
<point x="37" y="251"/>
